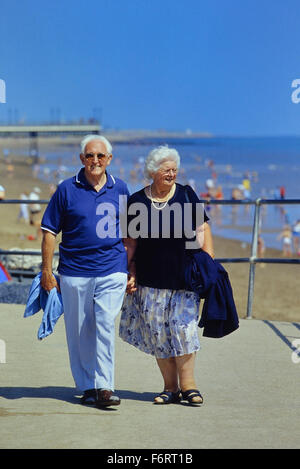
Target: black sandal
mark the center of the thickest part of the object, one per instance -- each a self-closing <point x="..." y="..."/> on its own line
<point x="89" y="397"/>
<point x="169" y="397"/>
<point x="190" y="394"/>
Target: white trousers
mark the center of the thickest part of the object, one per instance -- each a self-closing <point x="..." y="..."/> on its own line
<point x="91" y="306"/>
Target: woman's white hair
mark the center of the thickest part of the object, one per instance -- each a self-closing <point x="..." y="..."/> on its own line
<point x="158" y="156"/>
<point x="90" y="138"/>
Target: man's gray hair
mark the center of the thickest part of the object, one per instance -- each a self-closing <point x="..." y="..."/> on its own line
<point x="90" y="138"/>
<point x="158" y="156"/>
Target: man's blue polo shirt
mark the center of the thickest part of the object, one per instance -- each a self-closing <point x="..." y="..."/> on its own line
<point x="91" y="243"/>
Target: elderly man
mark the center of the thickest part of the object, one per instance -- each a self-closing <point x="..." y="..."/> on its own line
<point x="92" y="267"/>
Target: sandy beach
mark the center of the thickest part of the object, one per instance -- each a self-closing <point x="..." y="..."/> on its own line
<point x="276" y="291"/>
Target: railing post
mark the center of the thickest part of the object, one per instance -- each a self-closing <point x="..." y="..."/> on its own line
<point x="253" y="257"/>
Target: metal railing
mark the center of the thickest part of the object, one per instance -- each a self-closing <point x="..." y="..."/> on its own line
<point x="252" y="260"/>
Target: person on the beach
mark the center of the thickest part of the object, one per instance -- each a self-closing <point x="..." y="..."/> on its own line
<point x="35" y="208"/>
<point x="92" y="267"/>
<point x="246" y="187"/>
<point x="2" y="193"/>
<point x="286" y="237"/>
<point x="296" y="237"/>
<point x="282" y="192"/>
<point x="159" y="316"/>
<point x="23" y="213"/>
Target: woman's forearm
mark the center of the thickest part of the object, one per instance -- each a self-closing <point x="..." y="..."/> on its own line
<point x="130" y="246"/>
<point x="208" y="245"/>
<point x="205" y="239"/>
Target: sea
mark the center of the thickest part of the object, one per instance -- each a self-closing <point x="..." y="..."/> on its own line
<point x="267" y="163"/>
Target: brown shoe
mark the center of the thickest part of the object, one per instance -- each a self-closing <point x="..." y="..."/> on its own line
<point x="107" y="398"/>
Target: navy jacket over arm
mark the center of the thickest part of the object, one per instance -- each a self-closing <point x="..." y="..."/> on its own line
<point x="210" y="281"/>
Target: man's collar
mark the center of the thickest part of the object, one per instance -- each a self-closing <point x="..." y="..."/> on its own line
<point x="81" y="179"/>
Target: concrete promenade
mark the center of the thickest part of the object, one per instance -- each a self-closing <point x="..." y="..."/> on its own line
<point x="250" y="381"/>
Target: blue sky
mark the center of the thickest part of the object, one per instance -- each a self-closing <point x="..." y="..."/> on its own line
<point x="219" y="66"/>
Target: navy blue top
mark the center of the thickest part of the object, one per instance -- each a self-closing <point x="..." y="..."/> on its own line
<point x="160" y="251"/>
<point x="91" y="243"/>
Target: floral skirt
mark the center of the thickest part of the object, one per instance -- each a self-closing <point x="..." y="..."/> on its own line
<point x="161" y="322"/>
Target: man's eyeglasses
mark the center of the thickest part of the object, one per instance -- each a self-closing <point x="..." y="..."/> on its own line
<point x="100" y="156"/>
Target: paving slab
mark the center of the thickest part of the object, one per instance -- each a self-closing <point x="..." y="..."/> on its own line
<point x="250" y="382"/>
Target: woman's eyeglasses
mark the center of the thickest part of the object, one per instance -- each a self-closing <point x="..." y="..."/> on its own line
<point x="168" y="171"/>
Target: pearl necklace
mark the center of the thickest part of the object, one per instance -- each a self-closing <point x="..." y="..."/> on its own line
<point x="152" y="201"/>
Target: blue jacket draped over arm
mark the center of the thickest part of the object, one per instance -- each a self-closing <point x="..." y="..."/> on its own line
<point x="210" y="281"/>
<point x="50" y="303"/>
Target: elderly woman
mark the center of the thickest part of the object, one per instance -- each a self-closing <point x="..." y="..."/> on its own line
<point x="159" y="315"/>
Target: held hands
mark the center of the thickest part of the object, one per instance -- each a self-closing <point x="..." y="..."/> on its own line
<point x="131" y="282"/>
<point x="48" y="281"/>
